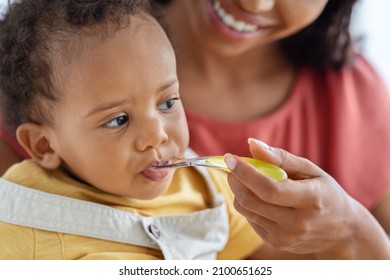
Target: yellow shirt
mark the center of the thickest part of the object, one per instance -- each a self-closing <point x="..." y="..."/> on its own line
<point x="187" y="194"/>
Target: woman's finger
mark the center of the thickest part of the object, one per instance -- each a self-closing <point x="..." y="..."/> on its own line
<point x="257" y="222"/>
<point x="295" y="167"/>
<point x="250" y="201"/>
<point x="287" y="193"/>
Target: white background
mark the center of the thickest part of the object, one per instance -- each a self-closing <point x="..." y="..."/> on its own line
<point x="281" y="270"/>
<point x="372" y="20"/>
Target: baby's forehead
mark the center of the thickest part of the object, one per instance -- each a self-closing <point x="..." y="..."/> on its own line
<point x="75" y="42"/>
<point x="142" y="45"/>
<point x="69" y="48"/>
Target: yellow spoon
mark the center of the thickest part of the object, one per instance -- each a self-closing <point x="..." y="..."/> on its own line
<point x="218" y="162"/>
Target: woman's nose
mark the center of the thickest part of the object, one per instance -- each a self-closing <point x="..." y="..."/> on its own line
<point x="256" y="6"/>
<point x="151" y="134"/>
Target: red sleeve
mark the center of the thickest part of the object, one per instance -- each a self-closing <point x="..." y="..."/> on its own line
<point x="360" y="140"/>
<point x="11" y="141"/>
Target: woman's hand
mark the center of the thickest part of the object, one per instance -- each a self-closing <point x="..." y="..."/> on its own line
<point x="309" y="213"/>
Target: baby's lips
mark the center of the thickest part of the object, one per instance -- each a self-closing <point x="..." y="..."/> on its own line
<point x="155" y="174"/>
<point x="159" y="164"/>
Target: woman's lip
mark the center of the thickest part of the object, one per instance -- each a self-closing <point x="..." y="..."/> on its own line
<point x="223" y="29"/>
<point x="239" y="14"/>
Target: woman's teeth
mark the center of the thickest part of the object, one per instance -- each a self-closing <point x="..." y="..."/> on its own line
<point x="229" y="20"/>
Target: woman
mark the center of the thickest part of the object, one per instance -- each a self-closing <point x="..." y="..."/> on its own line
<point x="286" y="72"/>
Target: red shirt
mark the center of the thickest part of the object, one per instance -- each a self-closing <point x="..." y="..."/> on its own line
<point x="11" y="141"/>
<point x="338" y="120"/>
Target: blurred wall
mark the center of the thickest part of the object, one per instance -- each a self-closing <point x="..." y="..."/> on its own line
<point x="372" y="20"/>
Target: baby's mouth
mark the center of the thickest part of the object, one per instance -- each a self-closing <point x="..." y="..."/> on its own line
<point x="155" y="172"/>
<point x="160" y="164"/>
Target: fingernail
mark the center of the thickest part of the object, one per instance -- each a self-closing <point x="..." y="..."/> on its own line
<point x="260" y="143"/>
<point x="230" y="161"/>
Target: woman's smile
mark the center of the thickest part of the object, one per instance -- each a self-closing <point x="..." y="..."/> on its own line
<point x="235" y="23"/>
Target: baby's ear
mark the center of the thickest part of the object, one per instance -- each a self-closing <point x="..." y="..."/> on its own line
<point x="35" y="139"/>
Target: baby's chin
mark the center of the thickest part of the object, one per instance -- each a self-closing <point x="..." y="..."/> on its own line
<point x="149" y="190"/>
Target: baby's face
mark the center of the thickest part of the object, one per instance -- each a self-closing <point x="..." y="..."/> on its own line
<point x="121" y="112"/>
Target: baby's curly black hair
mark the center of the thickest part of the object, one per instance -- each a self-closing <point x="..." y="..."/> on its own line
<point x="35" y="36"/>
<point x="326" y="42"/>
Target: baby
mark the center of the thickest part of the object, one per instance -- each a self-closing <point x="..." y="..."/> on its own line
<point x="90" y="90"/>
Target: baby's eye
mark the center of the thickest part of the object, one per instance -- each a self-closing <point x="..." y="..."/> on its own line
<point x="169" y="104"/>
<point x="119" y="121"/>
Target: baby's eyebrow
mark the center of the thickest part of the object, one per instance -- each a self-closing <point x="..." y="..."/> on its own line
<point x="105" y="106"/>
<point x="109" y="105"/>
<point x="169" y="84"/>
